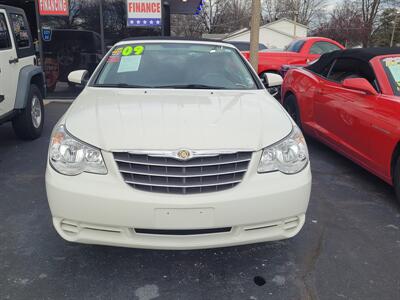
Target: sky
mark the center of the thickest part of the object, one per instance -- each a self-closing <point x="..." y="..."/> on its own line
<point x="331" y="4"/>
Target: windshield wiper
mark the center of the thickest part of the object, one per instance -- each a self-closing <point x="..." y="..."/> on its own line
<point x="191" y="86"/>
<point x="122" y="86"/>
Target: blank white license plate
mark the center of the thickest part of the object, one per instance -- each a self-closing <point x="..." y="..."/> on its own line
<point x="199" y="218"/>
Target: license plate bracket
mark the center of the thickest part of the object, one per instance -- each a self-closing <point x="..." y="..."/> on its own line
<point x="184" y="218"/>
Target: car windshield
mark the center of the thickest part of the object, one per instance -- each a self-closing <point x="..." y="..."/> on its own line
<point x="175" y="65"/>
<point x="295" y="46"/>
<point x="392" y="69"/>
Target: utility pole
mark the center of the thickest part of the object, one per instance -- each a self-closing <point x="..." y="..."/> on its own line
<point x="166" y="18"/>
<point x="255" y="33"/>
<point x="296" y="17"/>
<point x="394" y="29"/>
<point x="103" y="45"/>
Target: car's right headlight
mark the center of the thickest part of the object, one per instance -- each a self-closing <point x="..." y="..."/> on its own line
<point x="69" y="156"/>
<point x="289" y="156"/>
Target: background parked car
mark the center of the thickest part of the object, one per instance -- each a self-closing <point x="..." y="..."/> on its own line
<point x="245" y="46"/>
<point x="22" y="84"/>
<point x="350" y="101"/>
<point x="285" y="68"/>
<point x="299" y="52"/>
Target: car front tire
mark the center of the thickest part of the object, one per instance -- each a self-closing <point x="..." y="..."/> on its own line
<point x="28" y="125"/>
<point x="290" y="104"/>
<point x="396" y="179"/>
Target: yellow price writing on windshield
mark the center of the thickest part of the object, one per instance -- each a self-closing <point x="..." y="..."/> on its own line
<point x="127" y="51"/>
<point x="138" y="50"/>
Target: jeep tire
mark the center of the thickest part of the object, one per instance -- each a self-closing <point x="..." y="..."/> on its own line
<point x="28" y="124"/>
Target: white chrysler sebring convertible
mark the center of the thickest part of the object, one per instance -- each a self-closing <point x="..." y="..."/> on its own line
<point x="176" y="144"/>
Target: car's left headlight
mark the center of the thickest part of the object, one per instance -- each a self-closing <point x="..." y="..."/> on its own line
<point x="69" y="156"/>
<point x="289" y="156"/>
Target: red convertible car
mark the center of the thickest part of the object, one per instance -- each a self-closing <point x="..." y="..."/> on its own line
<point x="300" y="52"/>
<point x="350" y="100"/>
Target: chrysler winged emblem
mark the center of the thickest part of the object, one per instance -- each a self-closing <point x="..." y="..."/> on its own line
<point x="183" y="154"/>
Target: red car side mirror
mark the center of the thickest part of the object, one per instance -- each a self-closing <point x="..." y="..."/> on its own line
<point x="360" y="84"/>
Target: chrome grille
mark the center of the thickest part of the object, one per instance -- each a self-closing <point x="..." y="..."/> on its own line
<point x="169" y="175"/>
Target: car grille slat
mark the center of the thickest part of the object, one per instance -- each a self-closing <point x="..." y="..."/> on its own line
<point x="183" y="185"/>
<point x="169" y="175"/>
<point x="175" y="165"/>
<point x="129" y="170"/>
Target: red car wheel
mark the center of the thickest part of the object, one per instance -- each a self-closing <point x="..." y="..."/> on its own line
<point x="292" y="108"/>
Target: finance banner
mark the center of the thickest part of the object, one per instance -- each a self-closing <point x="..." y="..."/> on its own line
<point x="53" y="7"/>
<point x="144" y="13"/>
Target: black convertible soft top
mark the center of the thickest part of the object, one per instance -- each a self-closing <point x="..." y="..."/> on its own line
<point x="363" y="54"/>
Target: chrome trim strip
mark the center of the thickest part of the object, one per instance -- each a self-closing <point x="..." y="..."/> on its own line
<point x="194" y="153"/>
<point x="181" y="166"/>
<point x="183" y="186"/>
<point x="243" y="170"/>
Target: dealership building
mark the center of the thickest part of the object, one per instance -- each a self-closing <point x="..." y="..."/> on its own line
<point x="75" y="34"/>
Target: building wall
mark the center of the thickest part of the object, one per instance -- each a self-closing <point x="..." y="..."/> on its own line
<point x="288" y="28"/>
<point x="268" y="37"/>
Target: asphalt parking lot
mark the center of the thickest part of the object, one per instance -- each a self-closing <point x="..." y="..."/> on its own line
<point x="348" y="249"/>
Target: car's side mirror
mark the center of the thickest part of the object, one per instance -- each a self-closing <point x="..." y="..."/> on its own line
<point x="271" y="80"/>
<point x="79" y="77"/>
<point x="359" y="84"/>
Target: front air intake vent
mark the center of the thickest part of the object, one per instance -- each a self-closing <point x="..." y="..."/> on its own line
<point x="183" y="232"/>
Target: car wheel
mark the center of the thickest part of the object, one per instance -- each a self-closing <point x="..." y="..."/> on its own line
<point x="396" y="178"/>
<point x="28" y="125"/>
<point x="291" y="107"/>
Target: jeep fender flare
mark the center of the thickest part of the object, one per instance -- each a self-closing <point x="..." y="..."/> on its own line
<point x="24" y="83"/>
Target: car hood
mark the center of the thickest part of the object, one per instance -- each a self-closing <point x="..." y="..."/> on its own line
<point x="131" y="119"/>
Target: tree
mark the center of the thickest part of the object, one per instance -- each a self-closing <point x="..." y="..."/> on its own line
<point x="344" y="25"/>
<point x="217" y="16"/>
<point x="223" y="16"/>
<point x="304" y="11"/>
<point x="369" y="12"/>
<point x="383" y="34"/>
<point x="355" y="22"/>
<point x="187" y="26"/>
<point x="236" y="16"/>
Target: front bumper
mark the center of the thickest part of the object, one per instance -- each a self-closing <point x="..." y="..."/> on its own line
<point x="102" y="209"/>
